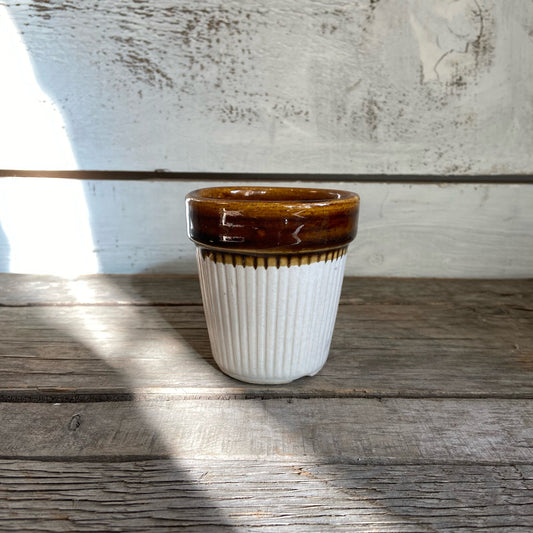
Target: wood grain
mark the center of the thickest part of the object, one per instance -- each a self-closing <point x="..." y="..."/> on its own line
<point x="114" y="417"/>
<point x="164" y="495"/>
<point x="302" y="86"/>
<point x="397" y="431"/>
<point x="121" y="336"/>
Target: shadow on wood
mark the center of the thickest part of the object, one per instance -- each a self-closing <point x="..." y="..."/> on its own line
<point x="56" y="476"/>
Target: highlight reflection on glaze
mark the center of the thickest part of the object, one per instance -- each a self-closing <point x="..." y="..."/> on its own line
<point x="272" y="220"/>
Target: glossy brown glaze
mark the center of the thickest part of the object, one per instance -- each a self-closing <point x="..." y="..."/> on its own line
<point x="272" y="220"/>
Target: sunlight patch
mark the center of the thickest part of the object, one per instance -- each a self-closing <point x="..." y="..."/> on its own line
<point x="47" y="224"/>
<point x="33" y="134"/>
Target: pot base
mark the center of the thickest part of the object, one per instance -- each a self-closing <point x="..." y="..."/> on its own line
<point x="262" y="381"/>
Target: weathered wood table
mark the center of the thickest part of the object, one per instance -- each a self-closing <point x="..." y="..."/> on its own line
<point x="114" y="417"/>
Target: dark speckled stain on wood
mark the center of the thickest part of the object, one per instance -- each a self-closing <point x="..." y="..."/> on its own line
<point x="457" y="84"/>
<point x="129" y="51"/>
<point x="481" y="49"/>
<point x="217" y="44"/>
<point x="331" y="20"/>
<point x="372" y="5"/>
<point x="191" y="49"/>
<point x="45" y="9"/>
<point x="143" y="67"/>
<point x="226" y="62"/>
<point x="483" y="46"/>
<point x="215" y="50"/>
<point x="371" y="114"/>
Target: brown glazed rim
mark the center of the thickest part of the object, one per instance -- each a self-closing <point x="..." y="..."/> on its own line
<point x="271" y="220"/>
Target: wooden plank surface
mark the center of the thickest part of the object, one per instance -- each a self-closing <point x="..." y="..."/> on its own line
<point x="163" y="495"/>
<point x="300" y="86"/>
<point x="405" y="431"/>
<point x="147" y="336"/>
<point x="446" y="230"/>
<point x="115" y="418"/>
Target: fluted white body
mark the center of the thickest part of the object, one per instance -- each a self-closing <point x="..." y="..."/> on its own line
<point x="270" y="324"/>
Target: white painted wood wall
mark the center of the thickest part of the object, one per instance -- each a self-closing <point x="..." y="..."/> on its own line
<point x="366" y="87"/>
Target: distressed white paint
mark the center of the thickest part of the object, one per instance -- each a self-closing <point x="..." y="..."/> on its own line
<point x="454" y="230"/>
<point x="369" y="86"/>
<point x="270" y="325"/>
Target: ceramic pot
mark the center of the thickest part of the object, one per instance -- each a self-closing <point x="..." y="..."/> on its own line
<point x="271" y="262"/>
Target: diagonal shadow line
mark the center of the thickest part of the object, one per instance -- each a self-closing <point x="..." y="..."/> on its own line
<point x="51" y="444"/>
<point x="70" y="453"/>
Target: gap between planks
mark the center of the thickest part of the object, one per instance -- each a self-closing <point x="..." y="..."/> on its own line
<point x="21" y="290"/>
<point x="101" y="304"/>
<point x="266" y="463"/>
<point x="74" y="397"/>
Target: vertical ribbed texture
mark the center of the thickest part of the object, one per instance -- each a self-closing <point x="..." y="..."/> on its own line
<point x="274" y="324"/>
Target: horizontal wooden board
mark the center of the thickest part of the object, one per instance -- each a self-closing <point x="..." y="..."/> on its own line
<point x="396" y="431"/>
<point x="405" y="229"/>
<point x="392" y="338"/>
<point x="302" y="86"/>
<point x="214" y="496"/>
